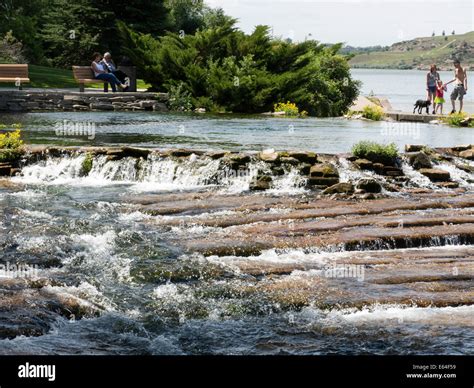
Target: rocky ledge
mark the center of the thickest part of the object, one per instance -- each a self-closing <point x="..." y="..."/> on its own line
<point x="337" y="175"/>
<point x="25" y="101"/>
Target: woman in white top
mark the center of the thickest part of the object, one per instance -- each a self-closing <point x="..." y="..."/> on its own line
<point x="101" y="72"/>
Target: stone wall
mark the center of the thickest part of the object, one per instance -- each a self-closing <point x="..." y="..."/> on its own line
<point x="27" y="101"/>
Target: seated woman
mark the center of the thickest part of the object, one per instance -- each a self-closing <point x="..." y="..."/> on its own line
<point x="101" y="72"/>
<point x="109" y="63"/>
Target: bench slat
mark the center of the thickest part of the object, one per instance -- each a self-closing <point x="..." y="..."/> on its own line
<point x="13" y="71"/>
<point x="10" y="79"/>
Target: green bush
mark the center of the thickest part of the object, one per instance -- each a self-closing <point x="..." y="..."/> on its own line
<point x="10" y="145"/>
<point x="228" y="70"/>
<point x="180" y="99"/>
<point x="289" y="108"/>
<point x="373" y="113"/>
<point x="86" y="165"/>
<point x="375" y="152"/>
<point x="456" y="119"/>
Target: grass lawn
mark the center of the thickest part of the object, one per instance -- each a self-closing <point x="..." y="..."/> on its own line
<point x="48" y="77"/>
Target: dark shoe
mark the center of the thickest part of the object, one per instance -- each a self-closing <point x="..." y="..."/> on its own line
<point x="453" y="111"/>
<point x="434" y="112"/>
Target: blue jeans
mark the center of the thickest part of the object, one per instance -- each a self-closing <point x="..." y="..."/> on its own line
<point x="110" y="78"/>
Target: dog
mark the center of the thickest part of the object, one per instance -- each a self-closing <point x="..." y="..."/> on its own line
<point x="420" y="104"/>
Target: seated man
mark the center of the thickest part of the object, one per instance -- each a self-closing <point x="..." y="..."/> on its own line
<point x="101" y="72"/>
<point x="109" y="63"/>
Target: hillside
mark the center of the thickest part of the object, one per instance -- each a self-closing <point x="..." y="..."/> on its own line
<point x="419" y="53"/>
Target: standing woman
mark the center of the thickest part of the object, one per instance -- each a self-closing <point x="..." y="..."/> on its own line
<point x="101" y="72"/>
<point x="432" y="79"/>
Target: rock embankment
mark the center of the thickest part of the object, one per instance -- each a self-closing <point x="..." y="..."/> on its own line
<point x="26" y="101"/>
<point x="338" y="175"/>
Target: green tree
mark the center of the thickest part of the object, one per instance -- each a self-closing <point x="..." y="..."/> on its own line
<point x="22" y="18"/>
<point x="71" y="32"/>
<point x="222" y="68"/>
<point x="143" y="16"/>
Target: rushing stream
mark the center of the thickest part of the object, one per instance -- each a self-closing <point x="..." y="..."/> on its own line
<point x="174" y="255"/>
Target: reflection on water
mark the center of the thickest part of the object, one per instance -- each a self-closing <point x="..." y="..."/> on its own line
<point x="233" y="132"/>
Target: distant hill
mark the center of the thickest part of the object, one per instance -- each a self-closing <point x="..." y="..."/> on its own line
<point x="419" y="53"/>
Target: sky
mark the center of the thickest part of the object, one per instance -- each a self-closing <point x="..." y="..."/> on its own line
<point x="353" y="22"/>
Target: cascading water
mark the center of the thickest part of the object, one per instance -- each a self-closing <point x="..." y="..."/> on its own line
<point x="192" y="261"/>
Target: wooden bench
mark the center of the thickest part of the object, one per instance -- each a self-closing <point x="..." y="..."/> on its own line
<point x="85" y="75"/>
<point x="14" y="73"/>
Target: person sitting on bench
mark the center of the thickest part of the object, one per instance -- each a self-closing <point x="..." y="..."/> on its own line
<point x="100" y="72"/>
<point x="110" y="65"/>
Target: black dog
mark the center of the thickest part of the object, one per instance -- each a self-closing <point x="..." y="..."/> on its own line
<point x="420" y="104"/>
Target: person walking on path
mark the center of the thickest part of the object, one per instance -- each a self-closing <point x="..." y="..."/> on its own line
<point x="460" y="87"/>
<point x="431" y="81"/>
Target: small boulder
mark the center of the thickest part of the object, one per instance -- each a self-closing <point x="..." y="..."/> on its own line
<point x="304" y="157"/>
<point x="322" y="182"/>
<point x="101" y="106"/>
<point x="305" y="168"/>
<point x="325" y="170"/>
<point x="289" y="160"/>
<point x="5" y="169"/>
<point x="379" y="168"/>
<point x="435" y="175"/>
<point x="269" y="156"/>
<point x="369" y="185"/>
<point x="179" y="153"/>
<point x="419" y="160"/>
<point x="364" y="164"/>
<point x="260" y="183"/>
<point x="413" y="147"/>
<point x="341" y="187"/>
<point x="278" y="171"/>
<point x="449" y="185"/>
<point x="467" y="154"/>
<point x="238" y="159"/>
<point x="216" y="154"/>
<point x="392" y="171"/>
<point x="460" y="148"/>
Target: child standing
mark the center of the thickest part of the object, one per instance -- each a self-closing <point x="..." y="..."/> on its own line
<point x="439" y="99"/>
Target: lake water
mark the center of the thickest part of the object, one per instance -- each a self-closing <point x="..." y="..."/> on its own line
<point x="256" y="132"/>
<point x="232" y="132"/>
<point x="404" y="87"/>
